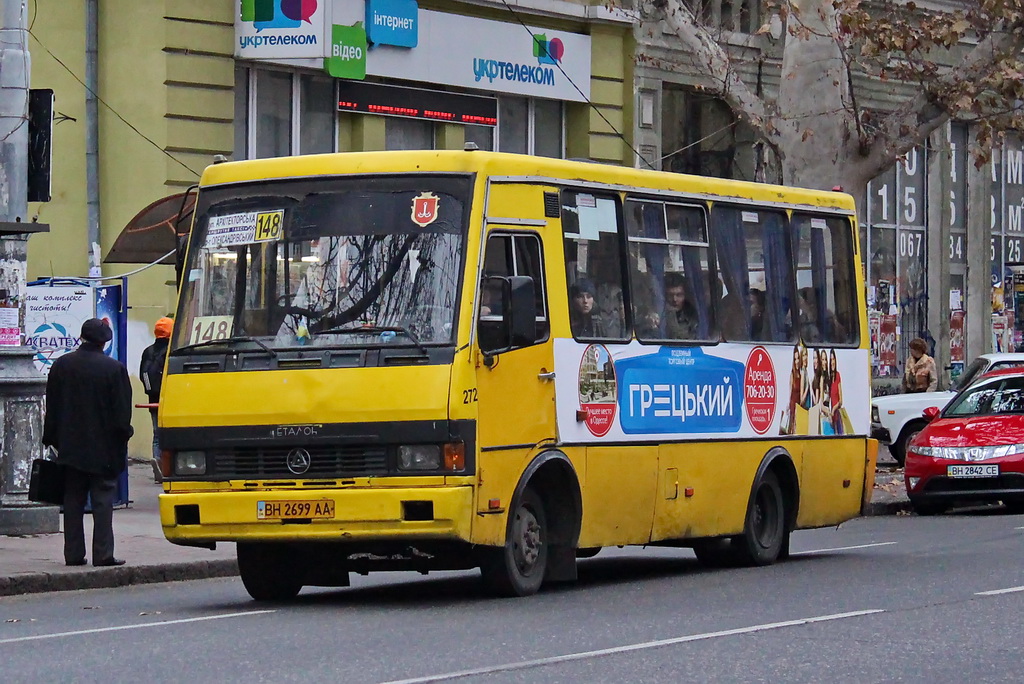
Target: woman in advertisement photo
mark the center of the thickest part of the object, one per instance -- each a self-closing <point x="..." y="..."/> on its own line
<point x="822" y="387"/>
<point x="836" y="394"/>
<point x="799" y="394"/>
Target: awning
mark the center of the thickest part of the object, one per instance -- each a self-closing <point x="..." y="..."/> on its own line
<point x="154" y="231"/>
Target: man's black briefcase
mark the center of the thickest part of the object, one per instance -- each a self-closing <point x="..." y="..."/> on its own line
<point x="46" y="484"/>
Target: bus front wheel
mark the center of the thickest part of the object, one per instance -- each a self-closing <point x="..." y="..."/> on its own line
<point x="517" y="568"/>
<point x="266" y="572"/>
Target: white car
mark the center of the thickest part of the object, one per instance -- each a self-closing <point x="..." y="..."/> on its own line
<point x="896" y="419"/>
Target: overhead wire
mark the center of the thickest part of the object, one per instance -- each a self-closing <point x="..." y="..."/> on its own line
<point x="582" y="94"/>
<point x="129" y="273"/>
<point x="112" y="110"/>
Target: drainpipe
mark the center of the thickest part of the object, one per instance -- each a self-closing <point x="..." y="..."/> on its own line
<point x="92" y="135"/>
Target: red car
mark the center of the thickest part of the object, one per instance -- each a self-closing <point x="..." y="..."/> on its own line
<point x="973" y="450"/>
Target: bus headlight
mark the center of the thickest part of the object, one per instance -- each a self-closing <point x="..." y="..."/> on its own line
<point x="419" y="457"/>
<point x="190" y="463"/>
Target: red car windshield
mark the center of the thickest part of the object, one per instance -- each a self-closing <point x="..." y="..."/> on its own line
<point x="1001" y="395"/>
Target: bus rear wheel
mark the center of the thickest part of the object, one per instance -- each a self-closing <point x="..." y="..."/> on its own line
<point x="764" y="538"/>
<point x="764" y="532"/>
<point x="517" y="569"/>
<point x="267" y="573"/>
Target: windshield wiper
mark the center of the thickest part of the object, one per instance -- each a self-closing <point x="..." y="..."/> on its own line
<point x="375" y="329"/>
<point x="229" y="341"/>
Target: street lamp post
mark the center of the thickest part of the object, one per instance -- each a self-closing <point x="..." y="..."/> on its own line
<point x="22" y="387"/>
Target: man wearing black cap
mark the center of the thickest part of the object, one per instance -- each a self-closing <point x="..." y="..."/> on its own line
<point x="88" y="422"/>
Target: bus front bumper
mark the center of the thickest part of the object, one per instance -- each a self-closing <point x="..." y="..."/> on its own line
<point x="435" y="513"/>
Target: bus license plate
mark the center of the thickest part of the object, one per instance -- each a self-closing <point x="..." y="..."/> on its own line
<point x="972" y="471"/>
<point x="293" y="510"/>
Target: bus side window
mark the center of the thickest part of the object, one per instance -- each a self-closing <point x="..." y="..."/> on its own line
<point x="506" y="255"/>
<point x="754" y="262"/>
<point x="593" y="266"/>
<point x="671" y="281"/>
<point x="825" y="279"/>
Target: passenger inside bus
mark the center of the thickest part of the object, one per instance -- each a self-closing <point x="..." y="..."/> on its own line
<point x="732" y="317"/>
<point x="680" y="317"/>
<point x="757" y="305"/>
<point x="585" y="321"/>
<point x="811" y="327"/>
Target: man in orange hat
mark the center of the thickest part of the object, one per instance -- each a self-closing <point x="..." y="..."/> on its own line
<point x="151" y="372"/>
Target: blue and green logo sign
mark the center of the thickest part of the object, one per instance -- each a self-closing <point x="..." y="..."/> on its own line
<point x="278" y="14"/>
<point x="392" y="22"/>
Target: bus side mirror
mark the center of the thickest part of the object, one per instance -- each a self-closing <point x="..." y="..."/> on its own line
<point x="931" y="413"/>
<point x="508" y="315"/>
<point x="521" y="321"/>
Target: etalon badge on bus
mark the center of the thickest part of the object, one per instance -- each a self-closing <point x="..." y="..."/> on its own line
<point x="424" y="209"/>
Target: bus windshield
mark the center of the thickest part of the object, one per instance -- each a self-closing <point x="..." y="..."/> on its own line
<point x="325" y="262"/>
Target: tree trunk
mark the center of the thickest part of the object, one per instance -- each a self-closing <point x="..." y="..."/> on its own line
<point x="817" y="132"/>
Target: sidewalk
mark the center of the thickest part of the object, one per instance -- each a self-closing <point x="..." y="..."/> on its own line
<point x="890" y="494"/>
<point x="35" y="563"/>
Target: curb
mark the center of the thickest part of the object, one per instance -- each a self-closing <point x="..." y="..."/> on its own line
<point x="106" y="578"/>
<point x="887" y="507"/>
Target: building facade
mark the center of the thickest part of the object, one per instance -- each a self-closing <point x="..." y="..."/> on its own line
<point x="940" y="239"/>
<point x="177" y="83"/>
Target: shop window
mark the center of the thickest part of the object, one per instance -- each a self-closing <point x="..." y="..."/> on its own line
<point x="317" y="112"/>
<point x="273" y="114"/>
<point x="408" y="134"/>
<point x="593" y="266"/>
<point x="482" y="136"/>
<point x="547" y="128"/>
<point x="825" y="280"/>
<point x="529" y="126"/>
<point x="671" y="282"/>
<point x="756" y="265"/>
<point x="282" y="113"/>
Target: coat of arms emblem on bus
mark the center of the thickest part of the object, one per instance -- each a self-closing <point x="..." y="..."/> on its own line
<point x="424" y="209"/>
<point x="597" y="390"/>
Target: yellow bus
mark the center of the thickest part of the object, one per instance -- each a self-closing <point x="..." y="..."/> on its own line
<point x="464" y="359"/>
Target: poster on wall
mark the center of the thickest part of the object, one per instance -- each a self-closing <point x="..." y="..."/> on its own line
<point x="53" y="320"/>
<point x="1000" y="334"/>
<point x="54" y="315"/>
<point x="887" y="345"/>
<point x="10" y="329"/>
<point x="956" y="337"/>
<point x="874" y="327"/>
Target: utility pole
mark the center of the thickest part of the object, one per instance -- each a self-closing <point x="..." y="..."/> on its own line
<point x="22" y="387"/>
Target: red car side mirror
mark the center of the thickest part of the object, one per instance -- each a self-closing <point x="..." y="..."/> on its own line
<point x="932" y="412"/>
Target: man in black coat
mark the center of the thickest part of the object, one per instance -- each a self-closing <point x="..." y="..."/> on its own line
<point x="88" y="422"/>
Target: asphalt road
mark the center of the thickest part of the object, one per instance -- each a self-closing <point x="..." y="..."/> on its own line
<point x="877" y="599"/>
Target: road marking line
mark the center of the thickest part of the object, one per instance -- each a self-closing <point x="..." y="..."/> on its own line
<point x="840" y="548"/>
<point x="508" y="667"/>
<point x="1011" y="590"/>
<point x="124" y="627"/>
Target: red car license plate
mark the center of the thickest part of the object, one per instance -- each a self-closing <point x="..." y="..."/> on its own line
<point x="972" y="471"/>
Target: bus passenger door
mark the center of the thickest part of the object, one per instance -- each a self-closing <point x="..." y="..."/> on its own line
<point x="515" y="383"/>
